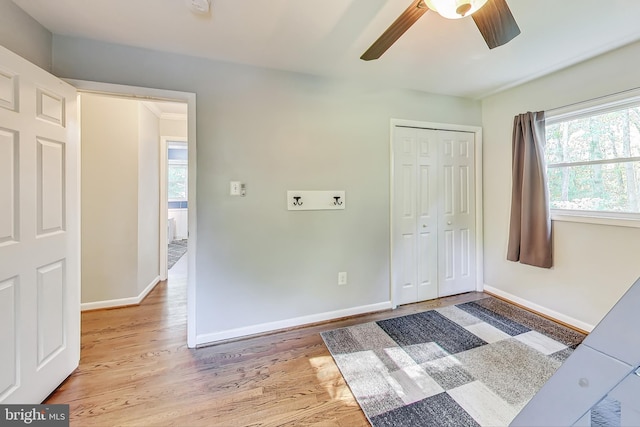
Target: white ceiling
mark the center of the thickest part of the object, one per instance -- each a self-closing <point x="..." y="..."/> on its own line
<point x="327" y="37"/>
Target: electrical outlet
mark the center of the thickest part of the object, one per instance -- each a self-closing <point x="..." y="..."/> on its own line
<point x="342" y="278"/>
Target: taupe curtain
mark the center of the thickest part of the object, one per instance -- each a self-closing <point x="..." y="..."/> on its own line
<point x="530" y="227"/>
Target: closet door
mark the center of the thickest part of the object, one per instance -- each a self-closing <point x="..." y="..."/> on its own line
<point x="456" y="213"/>
<point x="414" y="231"/>
<point x="433" y="232"/>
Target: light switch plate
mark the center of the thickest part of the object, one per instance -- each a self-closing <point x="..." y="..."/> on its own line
<point x="235" y="188"/>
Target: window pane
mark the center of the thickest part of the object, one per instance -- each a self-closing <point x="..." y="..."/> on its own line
<point x="177" y="182"/>
<point x="609" y="187"/>
<point x="177" y="154"/>
<point x="610" y="135"/>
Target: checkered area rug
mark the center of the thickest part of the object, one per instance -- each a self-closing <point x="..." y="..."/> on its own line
<point x="473" y="364"/>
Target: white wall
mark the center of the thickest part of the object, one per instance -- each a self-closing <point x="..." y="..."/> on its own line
<point x="258" y="263"/>
<point x="109" y="198"/>
<point x="23" y="35"/>
<point x="173" y="127"/>
<point x="148" y="198"/>
<point x="120" y="200"/>
<point x="594" y="264"/>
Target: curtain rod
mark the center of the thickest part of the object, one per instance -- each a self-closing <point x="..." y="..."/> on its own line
<point x="573" y="104"/>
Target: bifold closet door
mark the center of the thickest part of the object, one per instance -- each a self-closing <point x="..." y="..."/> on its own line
<point x="433" y="232"/>
<point x="456" y="214"/>
<point x="414" y="233"/>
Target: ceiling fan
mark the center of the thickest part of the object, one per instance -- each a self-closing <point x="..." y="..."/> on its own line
<point x="492" y="17"/>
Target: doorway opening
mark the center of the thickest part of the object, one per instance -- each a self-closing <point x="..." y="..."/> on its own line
<point x="160" y="99"/>
<point x="175" y="197"/>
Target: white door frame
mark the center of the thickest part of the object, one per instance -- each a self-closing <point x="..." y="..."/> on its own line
<point x="477" y="131"/>
<point x="164" y="199"/>
<point x="150" y="94"/>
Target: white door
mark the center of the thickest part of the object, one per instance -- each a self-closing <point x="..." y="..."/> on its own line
<point x="456" y="216"/>
<point x="433" y="234"/>
<point x="415" y="237"/>
<point x="39" y="231"/>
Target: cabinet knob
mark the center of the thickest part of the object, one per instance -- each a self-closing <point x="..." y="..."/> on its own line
<point x="424" y="225"/>
<point x="448" y="222"/>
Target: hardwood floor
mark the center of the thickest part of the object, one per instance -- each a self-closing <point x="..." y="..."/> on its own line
<point x="136" y="370"/>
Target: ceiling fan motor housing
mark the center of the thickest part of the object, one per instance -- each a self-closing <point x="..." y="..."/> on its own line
<point x="463" y="8"/>
<point x="455" y="9"/>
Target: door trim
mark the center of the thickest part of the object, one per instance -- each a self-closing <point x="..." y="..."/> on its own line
<point x="477" y="131"/>
<point x="164" y="200"/>
<point x="146" y="94"/>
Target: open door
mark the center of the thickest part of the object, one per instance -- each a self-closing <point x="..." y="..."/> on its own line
<point x="39" y="231"/>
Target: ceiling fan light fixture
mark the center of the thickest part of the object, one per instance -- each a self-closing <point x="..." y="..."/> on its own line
<point x="455" y="9"/>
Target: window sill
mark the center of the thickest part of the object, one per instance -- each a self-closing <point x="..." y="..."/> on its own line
<point x="611" y="219"/>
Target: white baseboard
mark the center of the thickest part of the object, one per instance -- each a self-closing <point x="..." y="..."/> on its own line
<point x="121" y="302"/>
<point x="214" y="337"/>
<point x="540" y="309"/>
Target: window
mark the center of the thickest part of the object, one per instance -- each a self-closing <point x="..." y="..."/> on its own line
<point x="593" y="159"/>
<point x="177" y="174"/>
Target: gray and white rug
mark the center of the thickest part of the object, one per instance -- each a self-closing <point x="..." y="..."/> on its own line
<point x="472" y="364"/>
<point x="177" y="249"/>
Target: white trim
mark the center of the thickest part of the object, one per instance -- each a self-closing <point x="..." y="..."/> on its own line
<point x="477" y="131"/>
<point x="153" y="108"/>
<point x="596" y="106"/>
<point x="603" y="104"/>
<point x="162" y="115"/>
<point x="121" y="302"/>
<point x="143" y="93"/>
<point x="173" y="116"/>
<point x="164" y="212"/>
<point x="540" y="309"/>
<point x="212" y="338"/>
<point x="164" y="215"/>
<point x="598" y="218"/>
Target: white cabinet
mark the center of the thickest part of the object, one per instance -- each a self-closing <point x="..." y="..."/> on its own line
<point x="433" y="213"/>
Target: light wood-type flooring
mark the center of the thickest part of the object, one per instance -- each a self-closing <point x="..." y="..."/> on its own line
<point x="136" y="370"/>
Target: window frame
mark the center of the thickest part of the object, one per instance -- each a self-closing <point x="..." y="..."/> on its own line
<point x="182" y="163"/>
<point x="596" y="106"/>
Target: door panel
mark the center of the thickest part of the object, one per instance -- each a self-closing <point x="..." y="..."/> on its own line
<point x="51" y="290"/>
<point x="51" y="181"/>
<point x="414" y="231"/>
<point x="8" y="335"/>
<point x="457" y="217"/>
<point x="9" y="188"/>
<point x="427" y="193"/>
<point x="408" y="272"/>
<point x="404" y="230"/>
<point x="39" y="231"/>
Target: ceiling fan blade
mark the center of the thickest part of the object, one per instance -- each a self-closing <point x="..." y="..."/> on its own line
<point x="496" y="23"/>
<point x="395" y="30"/>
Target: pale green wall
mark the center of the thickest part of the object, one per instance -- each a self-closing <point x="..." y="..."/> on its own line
<point x="23" y="35"/>
<point x="277" y="131"/>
